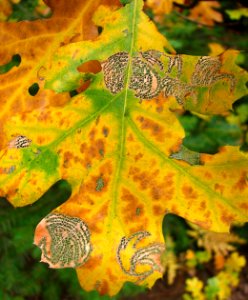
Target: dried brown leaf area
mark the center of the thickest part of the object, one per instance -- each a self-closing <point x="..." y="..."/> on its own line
<point x="114" y="142"/>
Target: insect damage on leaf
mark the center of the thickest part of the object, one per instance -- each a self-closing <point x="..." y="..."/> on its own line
<point x="20" y="141"/>
<point x="64" y="241"/>
<point x="149" y="255"/>
<point x="150" y="77"/>
<point x="207" y="72"/>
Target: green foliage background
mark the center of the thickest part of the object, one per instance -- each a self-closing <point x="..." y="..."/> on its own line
<point x="21" y="276"/>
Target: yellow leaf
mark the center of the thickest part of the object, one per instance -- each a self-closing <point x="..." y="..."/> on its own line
<point x="236" y="14"/>
<point x="205" y="13"/>
<point x="215" y="49"/>
<point x="161" y="7"/>
<point x="169" y="261"/>
<point x="217" y="242"/>
<point x="195" y="286"/>
<point x="235" y="262"/>
<point x="6" y="9"/>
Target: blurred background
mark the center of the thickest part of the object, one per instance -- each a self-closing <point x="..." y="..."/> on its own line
<point x="199" y="265"/>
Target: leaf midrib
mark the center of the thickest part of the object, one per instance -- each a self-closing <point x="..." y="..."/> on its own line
<point x="117" y="176"/>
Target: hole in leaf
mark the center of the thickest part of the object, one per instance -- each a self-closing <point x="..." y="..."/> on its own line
<point x="73" y="93"/>
<point x="176" y="227"/>
<point x="99" y="29"/>
<point x="33" y="89"/>
<point x="15" y="62"/>
<point x="59" y="192"/>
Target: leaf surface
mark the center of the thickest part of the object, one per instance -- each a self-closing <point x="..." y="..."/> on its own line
<point x="116" y="153"/>
<point x="206" y="14"/>
<point x="35" y="42"/>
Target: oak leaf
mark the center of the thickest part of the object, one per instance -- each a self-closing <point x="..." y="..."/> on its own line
<point x="205" y="13"/>
<point x="236" y="14"/>
<point x="6" y="9"/>
<point x="162" y="7"/>
<point x="113" y="144"/>
<point x="216" y="242"/>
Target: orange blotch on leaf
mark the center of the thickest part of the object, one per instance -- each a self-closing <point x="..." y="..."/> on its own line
<point x="208" y="175"/>
<point x="149" y="181"/>
<point x="138" y="156"/>
<point x="104" y="287"/>
<point x="203" y="205"/>
<point x="227" y="218"/>
<point x="98" y="184"/>
<point x="93" y="149"/>
<point x="189" y="193"/>
<point x="244" y="205"/>
<point x="93" y="262"/>
<point x="158" y="210"/>
<point x="219" y="187"/>
<point x="111" y="276"/>
<point x="154" y="128"/>
<point x="133" y="209"/>
<point x="69" y="159"/>
<point x="241" y="184"/>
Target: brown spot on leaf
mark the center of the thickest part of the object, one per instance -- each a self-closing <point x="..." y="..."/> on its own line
<point x="138" y="156"/>
<point x="132" y="206"/>
<point x="227" y="218"/>
<point x="154" y="128"/>
<point x="111" y="276"/>
<point x="41" y="140"/>
<point x="150" y="182"/>
<point x="158" y="210"/>
<point x="98" y="184"/>
<point x="104" y="288"/>
<point x="105" y="131"/>
<point x="130" y="138"/>
<point x="241" y="184"/>
<point x="219" y="187"/>
<point x="208" y="175"/>
<point x="207" y="214"/>
<point x="93" y="262"/>
<point x="44" y="116"/>
<point x="169" y="179"/>
<point x="140" y="227"/>
<point x="92" y="134"/>
<point x="69" y="158"/>
<point x="95" y="228"/>
<point x="93" y="149"/>
<point x="159" y="109"/>
<point x="203" y="205"/>
<point x="188" y="192"/>
<point x="244" y="206"/>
